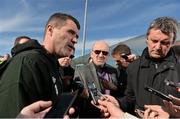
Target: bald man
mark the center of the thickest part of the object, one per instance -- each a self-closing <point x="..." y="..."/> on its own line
<point x="98" y="72"/>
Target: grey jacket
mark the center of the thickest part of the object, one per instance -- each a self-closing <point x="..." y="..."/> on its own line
<point x="87" y="73"/>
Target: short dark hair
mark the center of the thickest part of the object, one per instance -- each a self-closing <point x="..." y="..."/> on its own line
<point x="59" y="19"/>
<point x="167" y="25"/>
<point x="18" y="39"/>
<point x="121" y="48"/>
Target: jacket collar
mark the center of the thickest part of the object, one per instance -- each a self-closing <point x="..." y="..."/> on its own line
<point x="146" y="60"/>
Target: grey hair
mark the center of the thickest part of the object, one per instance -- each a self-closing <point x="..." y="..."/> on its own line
<point x="167" y="25"/>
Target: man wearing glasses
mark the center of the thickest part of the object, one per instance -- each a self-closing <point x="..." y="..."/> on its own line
<point x="101" y="74"/>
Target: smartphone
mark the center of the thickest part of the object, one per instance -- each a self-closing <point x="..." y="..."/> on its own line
<point x="172" y="84"/>
<point x="62" y="105"/>
<point x="123" y="55"/>
<point x="158" y="93"/>
<point x="95" y="93"/>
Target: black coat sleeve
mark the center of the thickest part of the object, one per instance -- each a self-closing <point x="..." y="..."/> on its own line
<point x="127" y="103"/>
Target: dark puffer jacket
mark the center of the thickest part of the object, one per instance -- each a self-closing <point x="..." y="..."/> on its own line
<point x="148" y="72"/>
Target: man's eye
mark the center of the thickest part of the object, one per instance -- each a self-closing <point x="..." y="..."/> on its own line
<point x="71" y="32"/>
<point x="165" y="43"/>
<point x="118" y="61"/>
<point x="154" y="41"/>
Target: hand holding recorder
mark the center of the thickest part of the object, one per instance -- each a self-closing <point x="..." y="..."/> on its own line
<point x="95" y="93"/>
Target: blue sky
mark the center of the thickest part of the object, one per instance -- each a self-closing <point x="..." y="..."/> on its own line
<point x="110" y="20"/>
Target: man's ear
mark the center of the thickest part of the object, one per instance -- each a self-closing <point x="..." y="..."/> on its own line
<point x="91" y="54"/>
<point x="173" y="41"/>
<point x="146" y="40"/>
<point x="50" y="29"/>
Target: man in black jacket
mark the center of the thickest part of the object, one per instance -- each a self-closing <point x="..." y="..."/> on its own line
<point x="33" y="72"/>
<point x="157" y="63"/>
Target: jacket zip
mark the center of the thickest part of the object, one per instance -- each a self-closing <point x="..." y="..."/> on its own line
<point x="156" y="66"/>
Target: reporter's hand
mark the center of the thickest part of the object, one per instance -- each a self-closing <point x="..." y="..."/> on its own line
<point x="132" y="57"/>
<point x="174" y="110"/>
<point x="175" y="100"/>
<point x="109" y="85"/>
<point x="109" y="109"/>
<point x="155" y="111"/>
<point x="112" y="99"/>
<point x="35" y="110"/>
<point x="71" y="111"/>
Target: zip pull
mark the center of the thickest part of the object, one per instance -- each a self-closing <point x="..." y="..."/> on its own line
<point x="156" y="66"/>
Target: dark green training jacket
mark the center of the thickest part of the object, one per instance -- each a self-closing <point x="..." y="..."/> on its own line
<point x="31" y="75"/>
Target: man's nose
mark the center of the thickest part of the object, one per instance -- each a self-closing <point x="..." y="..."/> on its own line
<point x="158" y="46"/>
<point x="101" y="54"/>
<point x="74" y="40"/>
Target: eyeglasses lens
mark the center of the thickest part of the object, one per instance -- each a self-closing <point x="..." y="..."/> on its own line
<point x="105" y="53"/>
